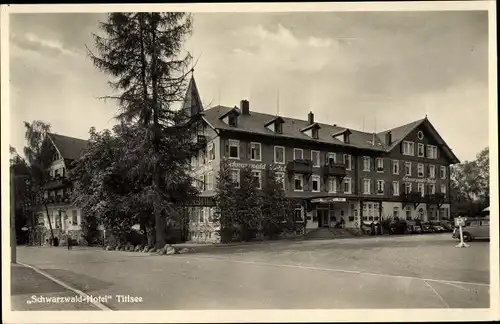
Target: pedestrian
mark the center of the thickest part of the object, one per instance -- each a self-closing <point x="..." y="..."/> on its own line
<point x="372" y="227"/>
<point x="70" y="247"/>
<point x="342" y="222"/>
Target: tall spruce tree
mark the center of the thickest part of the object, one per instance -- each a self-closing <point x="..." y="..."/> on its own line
<point x="274" y="204"/>
<point x="142" y="54"/>
<point x="249" y="204"/>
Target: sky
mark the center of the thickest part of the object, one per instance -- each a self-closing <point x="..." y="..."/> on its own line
<point x="363" y="70"/>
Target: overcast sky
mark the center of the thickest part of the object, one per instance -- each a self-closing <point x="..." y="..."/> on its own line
<point x="347" y="67"/>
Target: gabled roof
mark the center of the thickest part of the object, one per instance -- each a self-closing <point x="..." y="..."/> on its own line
<point x="343" y="131"/>
<point x="314" y="125"/>
<point x="70" y="148"/>
<point x="256" y="124"/>
<point x="192" y="100"/>
<point x="276" y="119"/>
<point x="234" y="110"/>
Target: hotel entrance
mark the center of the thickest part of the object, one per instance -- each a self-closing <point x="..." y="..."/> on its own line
<point x="323" y="217"/>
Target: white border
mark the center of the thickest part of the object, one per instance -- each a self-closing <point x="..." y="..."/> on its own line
<point x="258" y="315"/>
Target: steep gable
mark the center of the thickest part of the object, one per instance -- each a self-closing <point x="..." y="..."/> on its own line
<point x="70" y="148"/>
<point x="192" y="104"/>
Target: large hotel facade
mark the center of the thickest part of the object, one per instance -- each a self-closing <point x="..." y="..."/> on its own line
<point x="337" y="173"/>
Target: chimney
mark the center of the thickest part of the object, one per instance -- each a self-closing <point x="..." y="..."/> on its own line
<point x="388" y="138"/>
<point x="310" y="118"/>
<point x="245" y="107"/>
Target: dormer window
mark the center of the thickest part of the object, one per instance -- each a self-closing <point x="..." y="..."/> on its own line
<point x="278" y="128"/>
<point x="346" y="137"/>
<point x="315" y="133"/>
<point x="233" y="120"/>
<point x="343" y="136"/>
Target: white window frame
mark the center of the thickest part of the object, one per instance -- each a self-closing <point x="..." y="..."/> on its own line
<point x="301" y="177"/>
<point x="281" y="176"/>
<point x="395" y="188"/>
<point x="317" y="178"/>
<point x="254" y="145"/>
<point x="275" y="150"/>
<point x="380" y="165"/>
<point x="442" y="172"/>
<point x="347" y="180"/>
<point x="260" y="177"/>
<point x="348" y="161"/>
<point x="421" y="189"/>
<point x="210" y="154"/>
<point x="331" y="155"/>
<point x="239" y="176"/>
<point x="234" y="143"/>
<point x="420" y="167"/>
<point x="432" y="189"/>
<point x="210" y="184"/>
<point x="432" y="171"/>
<point x="366" y="168"/>
<point x="408" y="148"/>
<point x="332" y="188"/>
<point x="301" y="215"/>
<point x="202" y="215"/>
<point x="408" y="211"/>
<point x="319" y="159"/>
<point x="420" y="149"/>
<point x="443" y="189"/>
<point x="408" y="185"/>
<point x="295" y="150"/>
<point x="383" y="187"/>
<point x="395" y="163"/>
<point x="369" y="186"/>
<point x="431" y="151"/>
<point x="408" y="163"/>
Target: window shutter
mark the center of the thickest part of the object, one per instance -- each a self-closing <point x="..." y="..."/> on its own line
<point x="373" y="184"/>
<point x="249" y="150"/>
<point x="242" y="149"/>
<point x="226" y="151"/>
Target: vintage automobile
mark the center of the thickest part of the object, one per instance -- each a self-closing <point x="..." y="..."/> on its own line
<point x="426" y="228"/>
<point x="447" y="225"/>
<point x="475" y="228"/>
<point x="413" y="227"/>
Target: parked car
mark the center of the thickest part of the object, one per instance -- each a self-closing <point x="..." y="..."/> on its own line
<point x="426" y="228"/>
<point x="475" y="228"/>
<point x="447" y="225"/>
<point x="436" y="227"/>
<point x="413" y="228"/>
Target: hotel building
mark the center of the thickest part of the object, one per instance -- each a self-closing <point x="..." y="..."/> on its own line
<point x="336" y="172"/>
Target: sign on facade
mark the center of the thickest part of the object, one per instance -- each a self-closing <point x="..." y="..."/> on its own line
<point x="419" y="180"/>
<point x="256" y="166"/>
<point x="328" y="200"/>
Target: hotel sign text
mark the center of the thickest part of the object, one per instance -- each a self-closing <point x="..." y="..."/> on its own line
<point x="419" y="180"/>
<point x="256" y="166"/>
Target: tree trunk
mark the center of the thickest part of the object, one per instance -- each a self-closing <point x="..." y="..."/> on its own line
<point x="50" y="223"/>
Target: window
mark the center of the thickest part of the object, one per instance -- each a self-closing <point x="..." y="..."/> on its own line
<point x="74" y="220"/>
<point x="332" y="184"/>
<point x="210" y="215"/>
<point x="347" y="185"/>
<point x="408" y="169"/>
<point x="420" y="135"/>
<point x="298" y="182"/>
<point x="255" y="150"/>
<point x="407" y="187"/>
<point x="280" y="177"/>
<point x="366" y="186"/>
<point x="408" y="213"/>
<point x="366" y="163"/>
<point x="347" y="161"/>
<point x="279" y="154"/>
<point x="380" y="187"/>
<point x="420" y="187"/>
<point x="298" y="154"/>
<point x="210" y="182"/>
<point x="420" y="169"/>
<point x="432" y="151"/>
<point x="234" y="149"/>
<point x="442" y="172"/>
<point x="395" y="188"/>
<point x="432" y="189"/>
<point x="233" y="120"/>
<point x="278" y="127"/>
<point x="235" y="176"/>
<point x="395" y="212"/>
<point x="380" y="165"/>
<point x="443" y="189"/>
<point x="202" y="215"/>
<point x="331" y="158"/>
<point x="298" y="214"/>
<point x="432" y="171"/>
<point x="420" y="149"/>
<point x="408" y="148"/>
<point x="395" y="167"/>
<point x="211" y="152"/>
<point x="315" y="183"/>
<point x="257" y="175"/>
<point x="315" y="158"/>
<point x="315" y="133"/>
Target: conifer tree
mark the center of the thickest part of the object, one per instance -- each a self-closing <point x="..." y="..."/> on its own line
<point x="226" y="201"/>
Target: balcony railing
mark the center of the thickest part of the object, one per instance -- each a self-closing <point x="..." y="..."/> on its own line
<point x="435" y="198"/>
<point x="334" y="169"/>
<point x="201" y="140"/>
<point x="57" y="182"/>
<point x="299" y="166"/>
<point x="413" y="197"/>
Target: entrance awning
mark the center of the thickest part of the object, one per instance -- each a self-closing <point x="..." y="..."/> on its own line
<point x="328" y="200"/>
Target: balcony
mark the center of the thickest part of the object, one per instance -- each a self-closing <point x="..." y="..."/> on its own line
<point x="299" y="166"/>
<point x="57" y="182"/>
<point x="334" y="169"/>
<point x="413" y="197"/>
<point x="436" y="199"/>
